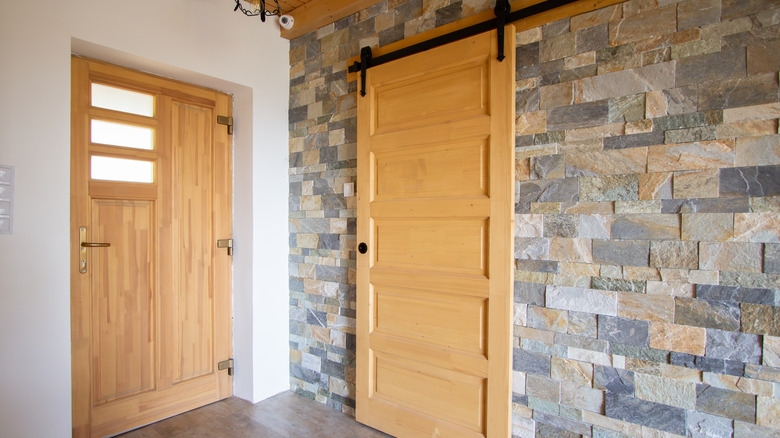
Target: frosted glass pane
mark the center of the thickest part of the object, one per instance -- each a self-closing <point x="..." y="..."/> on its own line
<point x="117" y="134"/>
<point x="126" y="101"/>
<point x="120" y="169"/>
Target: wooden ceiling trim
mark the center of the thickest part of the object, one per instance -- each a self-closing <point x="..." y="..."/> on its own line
<point x="318" y="13"/>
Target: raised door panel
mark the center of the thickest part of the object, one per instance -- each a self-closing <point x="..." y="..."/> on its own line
<point x="123" y="298"/>
<point x="193" y="240"/>
<point x="447" y="170"/>
<point x="435" y="244"/>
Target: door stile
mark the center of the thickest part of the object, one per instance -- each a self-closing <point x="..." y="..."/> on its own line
<point x="165" y="246"/>
<point x="502" y="163"/>
<point x="79" y="212"/>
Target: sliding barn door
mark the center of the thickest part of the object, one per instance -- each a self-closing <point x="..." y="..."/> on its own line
<point x="435" y="210"/>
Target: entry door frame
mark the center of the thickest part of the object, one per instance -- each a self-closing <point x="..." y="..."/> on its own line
<point x="222" y="201"/>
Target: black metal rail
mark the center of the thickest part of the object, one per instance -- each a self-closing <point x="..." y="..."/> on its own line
<point x="504" y="15"/>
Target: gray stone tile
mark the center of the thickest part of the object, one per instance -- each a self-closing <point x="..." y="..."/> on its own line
<point x="544" y="430"/>
<point x="621" y="252"/>
<point x="741" y="8"/>
<point x="614" y="380"/>
<point x="547" y="166"/>
<point x="558" y="27"/>
<point x="726" y="345"/>
<point x="701" y="425"/>
<point x="628" y="82"/>
<point x="585" y="71"/>
<point x="527" y="100"/>
<point x="527" y="54"/>
<point x="530" y="362"/>
<point x="625" y="331"/>
<point x="753" y="90"/>
<point x="688" y="120"/>
<point x="448" y="14"/>
<point x="646" y="227"/>
<point x="750" y="181"/>
<point x="634" y="140"/>
<point x="592" y="38"/>
<point x="682" y="359"/>
<point x="696" y="13"/>
<point x="578" y="116"/>
<point x="335" y="274"/>
<point x="529" y="293"/>
<point x="722" y="402"/>
<point x="738" y="294"/>
<point x="722" y="315"/>
<point x="549" y="138"/>
<point x="532" y="248"/>
<point x="391" y="34"/>
<point x="645" y="413"/>
<point x="627" y="108"/>
<point x="550" y="267"/>
<point x="561" y="225"/>
<point x="576" y="427"/>
<point x="772" y="258"/>
<point x="639" y="352"/>
<point x="711" y="67"/>
<point x="555" y="190"/>
<point x="610" y="188"/>
<point x="582" y="342"/>
<point x="702" y="133"/>
<point x="719" y="366"/>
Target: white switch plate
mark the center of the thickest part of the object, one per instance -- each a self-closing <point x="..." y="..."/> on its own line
<point x="6" y="199"/>
<point x="349" y="189"/>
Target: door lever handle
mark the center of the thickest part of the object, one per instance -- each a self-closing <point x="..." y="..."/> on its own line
<point x="83" y="245"/>
<point x="94" y="245"/>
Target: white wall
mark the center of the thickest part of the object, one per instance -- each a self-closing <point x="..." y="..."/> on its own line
<point x="200" y="41"/>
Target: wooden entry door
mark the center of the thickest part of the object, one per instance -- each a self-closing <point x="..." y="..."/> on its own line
<point x="151" y="313"/>
<point x="435" y="177"/>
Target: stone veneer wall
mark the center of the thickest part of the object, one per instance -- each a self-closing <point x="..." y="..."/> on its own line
<point x="647" y="294"/>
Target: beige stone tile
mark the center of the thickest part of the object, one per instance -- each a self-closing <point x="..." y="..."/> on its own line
<point x="678" y="338"/>
<point x="695" y="184"/>
<point x="746" y="128"/>
<point x="755" y="112"/>
<point x="656" y="308"/>
<point x="580" y="373"/>
<point x="691" y="156"/>
<point x="768" y="412"/>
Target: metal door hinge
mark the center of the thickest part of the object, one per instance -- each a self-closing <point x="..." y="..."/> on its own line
<point x="224" y="120"/>
<point x="226" y="365"/>
<point x="226" y="243"/>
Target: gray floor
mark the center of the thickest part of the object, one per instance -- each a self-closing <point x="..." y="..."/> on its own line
<point x="284" y="415"/>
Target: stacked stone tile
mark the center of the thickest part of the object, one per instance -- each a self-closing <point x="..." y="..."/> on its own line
<point x="647" y="222"/>
<point x="647" y="293"/>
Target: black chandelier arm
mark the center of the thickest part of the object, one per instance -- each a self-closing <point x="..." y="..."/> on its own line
<point x="262" y="12"/>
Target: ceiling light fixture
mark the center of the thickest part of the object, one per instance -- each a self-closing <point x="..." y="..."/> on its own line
<point x="257" y="7"/>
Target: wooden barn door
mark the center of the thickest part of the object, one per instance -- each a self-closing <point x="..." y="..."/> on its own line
<point x="435" y="210"/>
